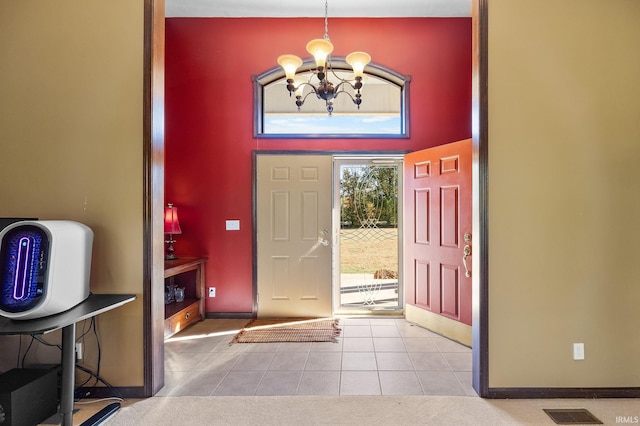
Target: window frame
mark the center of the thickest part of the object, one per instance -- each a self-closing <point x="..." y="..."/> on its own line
<point x="338" y="63"/>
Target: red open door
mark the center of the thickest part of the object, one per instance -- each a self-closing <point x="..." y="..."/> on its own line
<point x="438" y="219"/>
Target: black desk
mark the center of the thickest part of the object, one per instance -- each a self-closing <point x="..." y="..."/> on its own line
<point x="94" y="305"/>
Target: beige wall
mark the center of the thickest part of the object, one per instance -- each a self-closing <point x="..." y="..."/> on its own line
<point x="564" y="192"/>
<point x="71" y="109"/>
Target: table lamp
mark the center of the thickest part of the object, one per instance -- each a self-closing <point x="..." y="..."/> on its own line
<point x="171" y="227"/>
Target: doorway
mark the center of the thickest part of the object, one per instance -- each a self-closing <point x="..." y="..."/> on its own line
<point x="368" y="234"/>
<point x="293" y="223"/>
<point x="328" y="235"/>
<point x="154" y="352"/>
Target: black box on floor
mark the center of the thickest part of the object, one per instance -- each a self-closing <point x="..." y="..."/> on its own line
<point x="28" y="396"/>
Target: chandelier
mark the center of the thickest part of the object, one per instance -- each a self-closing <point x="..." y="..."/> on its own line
<point x="324" y="89"/>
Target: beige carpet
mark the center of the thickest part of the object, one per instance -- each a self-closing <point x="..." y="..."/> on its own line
<point x="359" y="410"/>
<point x="288" y="330"/>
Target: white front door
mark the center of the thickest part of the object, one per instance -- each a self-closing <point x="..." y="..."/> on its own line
<point x="294" y="241"/>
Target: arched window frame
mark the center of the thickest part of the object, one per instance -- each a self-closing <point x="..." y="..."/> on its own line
<point x="338" y="63"/>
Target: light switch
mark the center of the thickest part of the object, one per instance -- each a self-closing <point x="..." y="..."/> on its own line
<point x="233" y="225"/>
<point x="578" y="351"/>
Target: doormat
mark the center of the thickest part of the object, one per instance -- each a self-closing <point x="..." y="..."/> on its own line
<point x="289" y="330"/>
<point x="576" y="416"/>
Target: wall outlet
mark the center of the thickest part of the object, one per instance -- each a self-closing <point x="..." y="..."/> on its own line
<point x="79" y="351"/>
<point x="212" y="292"/>
<point x="578" y="351"/>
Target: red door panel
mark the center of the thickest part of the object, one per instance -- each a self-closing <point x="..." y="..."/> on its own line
<point x="422" y="210"/>
<point x="438" y="213"/>
<point x="449" y="216"/>
<point x="449" y="291"/>
<point x="421" y="286"/>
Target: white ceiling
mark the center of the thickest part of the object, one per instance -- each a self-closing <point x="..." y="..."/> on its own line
<point x="315" y="8"/>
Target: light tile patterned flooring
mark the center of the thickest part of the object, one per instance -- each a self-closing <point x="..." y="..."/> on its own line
<point x="373" y="356"/>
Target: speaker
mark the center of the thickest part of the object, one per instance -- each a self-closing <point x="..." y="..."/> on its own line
<point x="28" y="396"/>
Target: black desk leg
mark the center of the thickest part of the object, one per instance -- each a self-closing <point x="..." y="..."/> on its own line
<point x="68" y="374"/>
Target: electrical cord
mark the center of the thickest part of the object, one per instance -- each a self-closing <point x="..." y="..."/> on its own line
<point x="98" y="379"/>
<point x="19" y="351"/>
<point x="96" y="375"/>
<point x="40" y="339"/>
<point x="94" y="401"/>
<point x="86" y="330"/>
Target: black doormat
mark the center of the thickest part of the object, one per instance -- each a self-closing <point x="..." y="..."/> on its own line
<point x="572" y="416"/>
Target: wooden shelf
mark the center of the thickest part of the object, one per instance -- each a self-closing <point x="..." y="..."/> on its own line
<point x="185" y="272"/>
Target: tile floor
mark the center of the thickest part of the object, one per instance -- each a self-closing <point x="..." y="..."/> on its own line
<point x="373" y="356"/>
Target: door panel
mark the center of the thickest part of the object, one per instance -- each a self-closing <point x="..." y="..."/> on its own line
<point x="423" y="211"/>
<point x="422" y="285"/>
<point x="293" y="198"/>
<point x="450" y="291"/>
<point x="438" y="213"/>
<point x="449" y="217"/>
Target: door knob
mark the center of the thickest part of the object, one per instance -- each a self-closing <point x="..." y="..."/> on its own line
<point x="467" y="253"/>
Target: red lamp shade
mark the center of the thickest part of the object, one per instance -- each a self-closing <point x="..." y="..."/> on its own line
<point x="171" y="224"/>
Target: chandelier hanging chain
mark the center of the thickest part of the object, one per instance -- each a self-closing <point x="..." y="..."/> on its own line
<point x="325" y="90"/>
<point x="326" y="20"/>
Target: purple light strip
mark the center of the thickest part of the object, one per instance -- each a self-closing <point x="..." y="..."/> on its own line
<point x="22" y="267"/>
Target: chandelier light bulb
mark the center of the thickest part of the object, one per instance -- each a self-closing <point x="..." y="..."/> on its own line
<point x="299" y="87"/>
<point x="290" y="64"/>
<point x="357" y="61"/>
<point x="320" y="49"/>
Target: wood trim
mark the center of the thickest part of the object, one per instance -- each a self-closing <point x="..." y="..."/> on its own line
<point x="254" y="233"/>
<point x="495" y="393"/>
<point x="153" y="197"/>
<point x="230" y="315"/>
<point x="480" y="120"/>
<point x="546" y="393"/>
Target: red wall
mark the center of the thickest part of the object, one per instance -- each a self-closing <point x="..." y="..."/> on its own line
<point x="209" y="118"/>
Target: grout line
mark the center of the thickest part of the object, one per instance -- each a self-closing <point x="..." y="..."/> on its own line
<point x="264" y="373"/>
<point x="226" y="373"/>
<point x="303" y="370"/>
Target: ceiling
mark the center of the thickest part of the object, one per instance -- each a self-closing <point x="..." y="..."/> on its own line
<point x="315" y="8"/>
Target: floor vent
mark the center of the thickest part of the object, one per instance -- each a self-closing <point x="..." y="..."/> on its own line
<point x="572" y="416"/>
